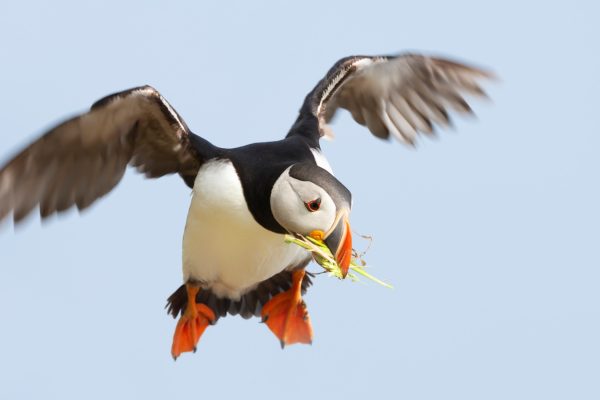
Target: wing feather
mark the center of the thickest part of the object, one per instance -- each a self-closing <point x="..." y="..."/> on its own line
<point x="399" y="96"/>
<point x="83" y="158"/>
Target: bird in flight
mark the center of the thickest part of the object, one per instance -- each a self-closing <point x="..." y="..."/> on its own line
<point x="245" y="199"/>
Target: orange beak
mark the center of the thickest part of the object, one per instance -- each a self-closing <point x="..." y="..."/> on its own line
<point x="339" y="241"/>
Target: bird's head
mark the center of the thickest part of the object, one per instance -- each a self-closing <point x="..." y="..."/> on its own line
<point x="308" y="200"/>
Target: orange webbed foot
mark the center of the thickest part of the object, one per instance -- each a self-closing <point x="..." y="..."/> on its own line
<point x="286" y="315"/>
<point x="191" y="325"/>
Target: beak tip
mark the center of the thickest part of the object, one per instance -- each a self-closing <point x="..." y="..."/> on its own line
<point x="344" y="272"/>
<point x="339" y="242"/>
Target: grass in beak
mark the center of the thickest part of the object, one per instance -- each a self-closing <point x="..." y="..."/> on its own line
<point x="322" y="256"/>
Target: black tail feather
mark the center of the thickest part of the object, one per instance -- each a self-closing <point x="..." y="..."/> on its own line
<point x="249" y="305"/>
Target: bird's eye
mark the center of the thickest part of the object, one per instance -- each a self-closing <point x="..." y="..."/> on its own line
<point x="313" y="205"/>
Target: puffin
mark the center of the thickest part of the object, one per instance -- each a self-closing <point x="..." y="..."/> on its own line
<point x="246" y="199"/>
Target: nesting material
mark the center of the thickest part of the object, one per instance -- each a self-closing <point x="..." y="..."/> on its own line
<point x="322" y="256"/>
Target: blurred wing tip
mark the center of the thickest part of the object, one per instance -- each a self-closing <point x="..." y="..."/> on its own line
<point x="489" y="74"/>
<point x="465" y="66"/>
<point x="483" y="73"/>
<point x="326" y="132"/>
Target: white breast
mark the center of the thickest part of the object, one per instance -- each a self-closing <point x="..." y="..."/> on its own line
<point x="223" y="246"/>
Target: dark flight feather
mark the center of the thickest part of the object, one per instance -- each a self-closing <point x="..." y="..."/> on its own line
<point x="398" y="96"/>
<point x="85" y="157"/>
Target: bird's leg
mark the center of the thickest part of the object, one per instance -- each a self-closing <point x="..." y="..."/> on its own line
<point x="286" y="315"/>
<point x="192" y="323"/>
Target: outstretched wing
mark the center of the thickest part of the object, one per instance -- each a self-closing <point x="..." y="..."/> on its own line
<point x="83" y="158"/>
<point x="399" y="96"/>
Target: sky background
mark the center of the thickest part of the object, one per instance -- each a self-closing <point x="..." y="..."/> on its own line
<point x="489" y="234"/>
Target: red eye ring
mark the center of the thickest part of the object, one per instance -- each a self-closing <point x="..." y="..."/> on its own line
<point x="313" y="205"/>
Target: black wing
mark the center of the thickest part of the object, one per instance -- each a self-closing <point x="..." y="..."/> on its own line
<point x="83" y="158"/>
<point x="399" y="96"/>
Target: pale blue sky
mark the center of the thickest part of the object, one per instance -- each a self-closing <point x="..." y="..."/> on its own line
<point x="490" y="234"/>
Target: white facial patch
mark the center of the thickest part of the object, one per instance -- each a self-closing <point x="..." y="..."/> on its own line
<point x="288" y="199"/>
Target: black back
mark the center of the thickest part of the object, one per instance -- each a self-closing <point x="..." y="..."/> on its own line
<point x="258" y="166"/>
